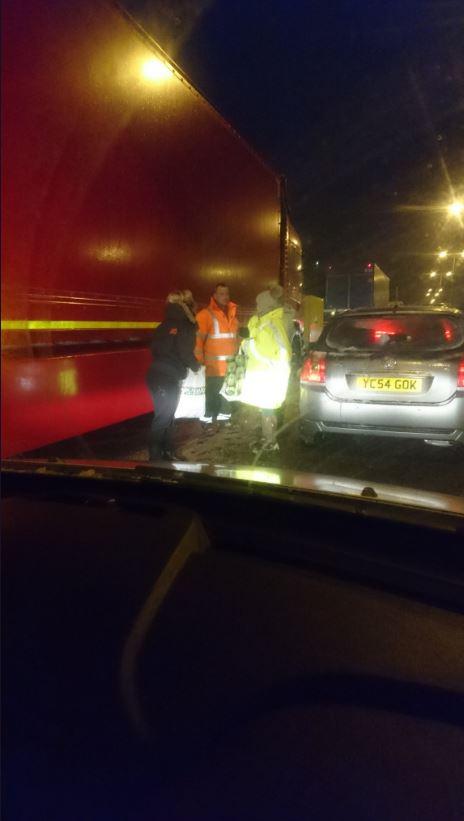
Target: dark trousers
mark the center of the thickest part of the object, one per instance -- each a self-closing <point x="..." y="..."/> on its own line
<point x="214" y="402"/>
<point x="165" y="393"/>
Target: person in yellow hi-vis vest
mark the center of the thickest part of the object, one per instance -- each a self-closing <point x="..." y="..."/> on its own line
<point x="268" y="359"/>
<point x="217" y="343"/>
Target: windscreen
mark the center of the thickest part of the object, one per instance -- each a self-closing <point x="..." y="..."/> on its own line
<point x="422" y="333"/>
<point x="207" y="207"/>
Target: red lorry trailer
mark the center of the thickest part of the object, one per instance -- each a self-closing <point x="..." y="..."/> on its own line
<point x="120" y="183"/>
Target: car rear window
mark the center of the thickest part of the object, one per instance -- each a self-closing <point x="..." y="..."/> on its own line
<point x="426" y="332"/>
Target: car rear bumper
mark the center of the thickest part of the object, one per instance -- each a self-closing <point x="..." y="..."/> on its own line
<point x="320" y="413"/>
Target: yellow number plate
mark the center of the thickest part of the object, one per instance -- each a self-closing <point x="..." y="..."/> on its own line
<point x="389" y="384"/>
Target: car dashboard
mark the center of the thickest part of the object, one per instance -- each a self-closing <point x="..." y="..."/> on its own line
<point x="192" y="650"/>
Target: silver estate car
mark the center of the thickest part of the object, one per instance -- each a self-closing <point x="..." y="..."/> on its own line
<point x="391" y="372"/>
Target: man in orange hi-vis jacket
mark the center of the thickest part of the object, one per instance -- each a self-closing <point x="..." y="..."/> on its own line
<point x="217" y="343"/>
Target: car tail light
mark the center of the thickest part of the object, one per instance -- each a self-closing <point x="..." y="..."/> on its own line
<point x="461" y="374"/>
<point x="313" y="370"/>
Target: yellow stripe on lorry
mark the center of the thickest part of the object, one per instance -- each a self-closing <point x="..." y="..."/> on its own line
<point x="70" y="325"/>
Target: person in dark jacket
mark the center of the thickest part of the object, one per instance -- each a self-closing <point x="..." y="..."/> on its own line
<point x="172" y="348"/>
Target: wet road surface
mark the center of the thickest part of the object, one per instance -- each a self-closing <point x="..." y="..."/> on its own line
<point x="371" y="459"/>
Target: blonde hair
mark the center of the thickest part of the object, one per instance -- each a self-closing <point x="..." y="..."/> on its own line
<point x="180" y="297"/>
<point x="186" y="302"/>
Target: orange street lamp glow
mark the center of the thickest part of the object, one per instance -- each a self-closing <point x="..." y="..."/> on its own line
<point x="456" y="209"/>
<point x="155" y="69"/>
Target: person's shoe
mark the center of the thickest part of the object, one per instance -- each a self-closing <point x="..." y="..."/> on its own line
<point x="207" y="420"/>
<point x="257" y="445"/>
<point x="262" y="447"/>
<point x="169" y="456"/>
<point x="224" y="417"/>
<point x="272" y="448"/>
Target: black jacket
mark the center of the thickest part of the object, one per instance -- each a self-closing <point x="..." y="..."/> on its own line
<point x="173" y="345"/>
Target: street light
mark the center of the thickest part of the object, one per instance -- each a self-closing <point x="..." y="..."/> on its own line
<point x="445" y="280"/>
<point x="456" y="209"/>
<point x="156" y="70"/>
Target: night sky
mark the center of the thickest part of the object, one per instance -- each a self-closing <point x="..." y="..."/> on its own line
<point x="359" y="104"/>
